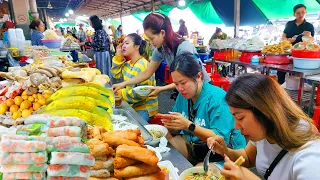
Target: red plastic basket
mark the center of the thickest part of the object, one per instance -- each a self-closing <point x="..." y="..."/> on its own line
<point x="277" y="59"/>
<point x="246" y="56"/>
<point x="305" y="54"/>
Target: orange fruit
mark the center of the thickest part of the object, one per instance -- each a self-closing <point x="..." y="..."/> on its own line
<point x="25" y="105"/>
<point x="34" y="96"/>
<point x="16" y="115"/>
<point x="42" y="101"/>
<point x="25" y="113"/>
<point x="31" y="99"/>
<point x="18" y="100"/>
<point x="10" y="102"/>
<point x="3" y="108"/>
<point x="24" y="93"/>
<point x="46" y="95"/>
<point x="40" y="96"/>
<point x="31" y="108"/>
<point x="36" y="106"/>
<point x="14" y="108"/>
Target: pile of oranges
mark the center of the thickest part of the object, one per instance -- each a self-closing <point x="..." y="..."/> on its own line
<point x="24" y="105"/>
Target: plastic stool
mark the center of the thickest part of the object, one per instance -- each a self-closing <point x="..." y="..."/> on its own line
<point x="208" y="67"/>
<point x="221" y="82"/>
<point x="316" y="117"/>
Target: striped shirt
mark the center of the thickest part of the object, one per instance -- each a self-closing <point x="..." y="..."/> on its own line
<point x="122" y="69"/>
<point x="36" y="38"/>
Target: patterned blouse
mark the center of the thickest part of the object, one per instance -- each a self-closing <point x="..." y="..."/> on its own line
<point x="100" y="41"/>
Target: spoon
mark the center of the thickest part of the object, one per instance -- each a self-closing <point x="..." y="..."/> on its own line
<point x="206" y="160"/>
<point x="295" y="36"/>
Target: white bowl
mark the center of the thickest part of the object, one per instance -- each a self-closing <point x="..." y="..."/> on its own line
<point x="198" y="169"/>
<point x="143" y="90"/>
<point x="156" y="127"/>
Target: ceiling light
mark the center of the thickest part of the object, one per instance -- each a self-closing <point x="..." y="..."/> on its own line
<point x="51" y="19"/>
<point x="182" y="3"/>
<point x="67" y="14"/>
<point x="70" y="11"/>
<point x="49" y="6"/>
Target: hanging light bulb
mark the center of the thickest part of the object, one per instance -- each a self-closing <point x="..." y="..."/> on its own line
<point x="182" y="3"/>
<point x="70" y="11"/>
<point x="67" y="14"/>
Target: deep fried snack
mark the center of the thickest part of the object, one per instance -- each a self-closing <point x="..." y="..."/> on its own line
<point x="136" y="170"/>
<point x="122" y="162"/>
<point x="138" y="153"/>
<point x="117" y="141"/>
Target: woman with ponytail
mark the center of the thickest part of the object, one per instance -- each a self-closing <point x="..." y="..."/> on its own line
<point x="134" y="47"/>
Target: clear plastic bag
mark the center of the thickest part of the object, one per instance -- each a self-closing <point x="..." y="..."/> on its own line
<point x="12" y="62"/>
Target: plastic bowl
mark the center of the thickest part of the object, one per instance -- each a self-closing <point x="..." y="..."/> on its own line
<point x="305" y="54"/>
<point x="143" y="90"/>
<point x="306" y="63"/>
<point x="156" y="127"/>
<point x="52" y="43"/>
<point x="199" y="169"/>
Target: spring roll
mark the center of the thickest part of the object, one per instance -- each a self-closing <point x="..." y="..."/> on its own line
<point x="63" y="140"/>
<point x="24" y="168"/>
<point x="99" y="164"/>
<point x="24" y="175"/>
<point x="100" y="150"/>
<point x="102" y="173"/>
<point x="71" y="131"/>
<point x="65" y="178"/>
<point x="23" y="158"/>
<point x="140" y="140"/>
<point x="136" y="170"/>
<point x="161" y="175"/>
<point x="33" y="128"/>
<point x="74" y="158"/>
<point x="68" y="170"/>
<point x="96" y="133"/>
<point x="66" y="121"/>
<point x="22" y="146"/>
<point x="129" y="135"/>
<point x="19" y="137"/>
<point x="122" y="162"/>
<point x="117" y="141"/>
<point x="108" y="178"/>
<point x="68" y="147"/>
<point x="138" y="153"/>
<point x="38" y="118"/>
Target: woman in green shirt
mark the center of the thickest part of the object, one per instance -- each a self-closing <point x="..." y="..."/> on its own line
<point x="218" y="35"/>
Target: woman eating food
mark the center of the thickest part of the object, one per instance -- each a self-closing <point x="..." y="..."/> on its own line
<point x="168" y="44"/>
<point x="200" y="112"/>
<point x="284" y="144"/>
<point x="133" y="48"/>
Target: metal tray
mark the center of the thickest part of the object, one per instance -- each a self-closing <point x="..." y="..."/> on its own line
<point x="137" y="120"/>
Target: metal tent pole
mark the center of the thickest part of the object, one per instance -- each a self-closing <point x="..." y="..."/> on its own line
<point x="236" y="17"/>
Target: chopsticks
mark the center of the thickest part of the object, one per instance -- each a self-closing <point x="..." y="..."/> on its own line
<point x="238" y="162"/>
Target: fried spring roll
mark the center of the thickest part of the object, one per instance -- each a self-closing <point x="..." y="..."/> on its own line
<point x="138" y="153"/>
<point x="122" y="162"/>
<point x="97" y="133"/>
<point x="140" y="140"/>
<point x="108" y="178"/>
<point x="100" y="150"/>
<point x="136" y="170"/>
<point x="102" y="173"/>
<point x="102" y="164"/>
<point x="161" y="175"/>
<point x="124" y="134"/>
<point x="117" y="141"/>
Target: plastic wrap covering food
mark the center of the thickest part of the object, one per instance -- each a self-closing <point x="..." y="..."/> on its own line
<point x="74" y="158"/>
<point x="68" y="171"/>
<point x="306" y="46"/>
<point x="253" y="44"/>
<point x="24" y="175"/>
<point x="51" y="35"/>
<point x="22" y="146"/>
<point x="24" y="168"/>
<point x="25" y="138"/>
<point x="23" y="158"/>
<point x="68" y="147"/>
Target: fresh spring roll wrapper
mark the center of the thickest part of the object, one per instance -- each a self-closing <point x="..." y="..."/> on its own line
<point x="20" y="137"/>
<point x="24" y="168"/>
<point x="24" y="175"/>
<point x="74" y="158"/>
<point x="63" y="140"/>
<point x="22" y="146"/>
<point x="65" y="178"/>
<point x="66" y="121"/>
<point x="23" y="158"/>
<point x="25" y="133"/>
<point x="71" y="131"/>
<point x="68" y="147"/>
<point x="38" y="118"/>
<point x="100" y="164"/>
<point x="33" y="128"/>
<point x="68" y="170"/>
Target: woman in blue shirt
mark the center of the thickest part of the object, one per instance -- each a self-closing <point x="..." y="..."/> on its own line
<point x="37" y="27"/>
<point x="119" y="31"/>
<point x="200" y="111"/>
